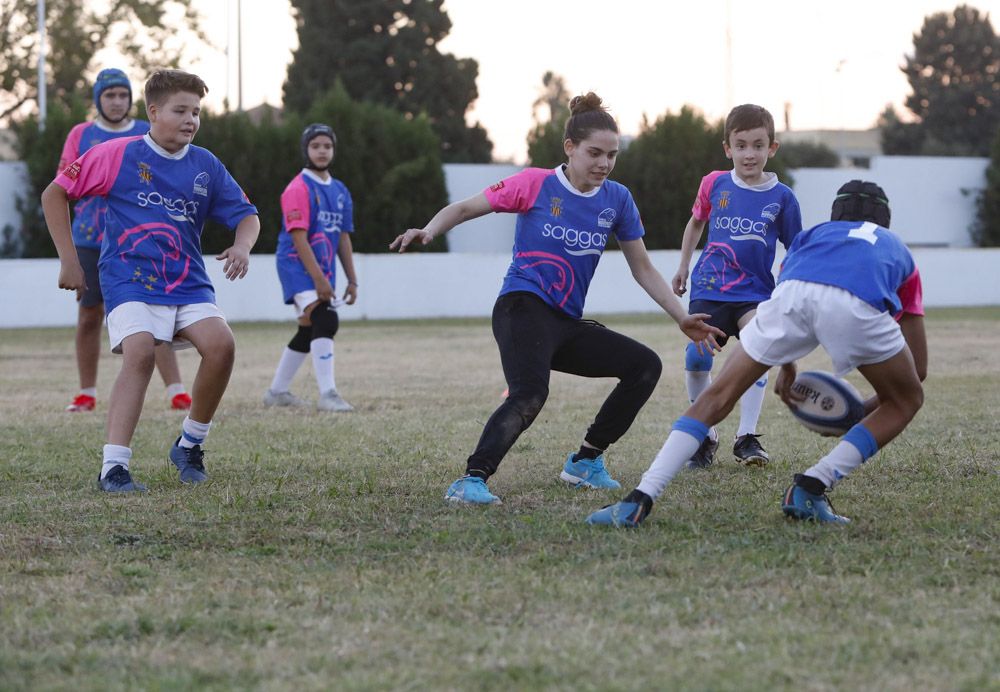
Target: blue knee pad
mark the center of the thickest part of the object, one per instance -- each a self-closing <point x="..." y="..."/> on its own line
<point x="697" y="362"/>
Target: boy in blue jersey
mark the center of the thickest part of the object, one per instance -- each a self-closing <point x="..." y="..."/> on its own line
<point x="851" y="286"/>
<point x="159" y="189"/>
<point x="747" y="211"/>
<point x="317" y="220"/>
<point x="113" y="101"/>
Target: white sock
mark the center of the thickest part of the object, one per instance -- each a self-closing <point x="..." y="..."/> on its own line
<point x="289" y="364"/>
<point x="175" y="389"/>
<point x="322" y="357"/>
<point x="679" y="447"/>
<point x="193" y="433"/>
<point x="835" y="466"/>
<point x="697" y="381"/>
<point x="115" y="455"/>
<point x="750" y="404"/>
<point x="89" y="391"/>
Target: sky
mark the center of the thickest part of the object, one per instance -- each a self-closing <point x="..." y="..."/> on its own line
<point x="828" y="65"/>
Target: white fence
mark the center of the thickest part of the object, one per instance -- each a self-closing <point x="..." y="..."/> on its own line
<point x="452" y="285"/>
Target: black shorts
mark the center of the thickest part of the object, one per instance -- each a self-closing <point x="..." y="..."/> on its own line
<point x="88" y="260"/>
<point x="725" y="316"/>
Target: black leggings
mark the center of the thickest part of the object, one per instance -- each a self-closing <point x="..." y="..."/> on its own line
<point x="534" y="340"/>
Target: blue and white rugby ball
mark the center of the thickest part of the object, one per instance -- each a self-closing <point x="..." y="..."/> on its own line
<point x="831" y="405"/>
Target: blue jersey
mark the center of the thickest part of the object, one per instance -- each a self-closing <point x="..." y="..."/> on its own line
<point x="88" y="213"/>
<point x="158" y="203"/>
<point x="867" y="260"/>
<point x="744" y="226"/>
<point x="561" y="233"/>
<point x="324" y="210"/>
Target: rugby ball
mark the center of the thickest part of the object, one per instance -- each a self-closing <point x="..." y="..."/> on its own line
<point x="831" y="405"/>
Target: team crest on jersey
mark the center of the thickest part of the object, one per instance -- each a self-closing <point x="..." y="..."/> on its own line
<point x="724" y="199"/>
<point x="606" y="219"/>
<point x="771" y="211"/>
<point x="72" y="171"/>
<point x="293" y="215"/>
<point x="555" y="207"/>
<point x="201" y="184"/>
<point x="340" y="201"/>
<point x="495" y="187"/>
<point x="145" y="173"/>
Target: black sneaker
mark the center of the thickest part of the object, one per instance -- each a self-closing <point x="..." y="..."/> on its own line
<point x="748" y="451"/>
<point x="705" y="455"/>
<point x="190" y="461"/>
<point x="119" y="480"/>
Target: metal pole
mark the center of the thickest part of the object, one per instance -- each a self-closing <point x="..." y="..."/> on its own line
<point x="239" y="55"/>
<point x="42" y="105"/>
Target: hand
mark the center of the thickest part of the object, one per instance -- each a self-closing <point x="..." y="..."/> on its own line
<point x="701" y="332"/>
<point x="679" y="282"/>
<point x="324" y="291"/>
<point x="403" y="240"/>
<point x="350" y="293"/>
<point x="783" y="385"/>
<point x="71" y="278"/>
<point x="237" y="262"/>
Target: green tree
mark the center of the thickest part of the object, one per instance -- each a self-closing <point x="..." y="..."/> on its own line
<point x="664" y="165"/>
<point x="808" y="155"/>
<point x="545" y="141"/>
<point x="144" y="30"/>
<point x="986" y="229"/>
<point x="954" y="74"/>
<point x="899" y="138"/>
<point x="390" y="163"/>
<point x="386" y="52"/>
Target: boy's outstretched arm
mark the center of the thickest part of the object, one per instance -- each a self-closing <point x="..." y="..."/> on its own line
<point x="55" y="206"/>
<point x="237" y="257"/>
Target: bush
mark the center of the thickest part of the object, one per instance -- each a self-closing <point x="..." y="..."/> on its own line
<point x="986" y="229"/>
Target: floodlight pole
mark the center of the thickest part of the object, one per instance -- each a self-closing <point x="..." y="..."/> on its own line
<point x="239" y="55"/>
<point x="42" y="105"/>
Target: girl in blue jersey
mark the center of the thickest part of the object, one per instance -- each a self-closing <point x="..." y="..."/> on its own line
<point x="113" y="101"/>
<point x="565" y="219"/>
<point x="159" y="189"/>
<point x="747" y="212"/>
<point x="317" y="220"/>
<point x="851" y="286"/>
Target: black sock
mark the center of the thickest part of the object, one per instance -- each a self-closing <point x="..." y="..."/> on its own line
<point x="587" y="453"/>
<point x="810" y="484"/>
<point x="477" y="473"/>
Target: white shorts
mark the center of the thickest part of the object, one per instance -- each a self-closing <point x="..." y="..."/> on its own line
<point x="801" y="315"/>
<point x="162" y="321"/>
<point x="304" y="299"/>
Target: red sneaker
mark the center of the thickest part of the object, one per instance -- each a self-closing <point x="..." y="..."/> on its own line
<point x="181" y="402"/>
<point x="82" y="402"/>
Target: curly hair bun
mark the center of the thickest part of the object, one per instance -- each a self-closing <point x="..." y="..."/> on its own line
<point x="586" y="103"/>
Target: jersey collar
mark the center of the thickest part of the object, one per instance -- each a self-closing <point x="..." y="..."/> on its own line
<point x="180" y="154"/>
<point x="561" y="175"/>
<point x="770" y="180"/>
<point x="312" y="175"/>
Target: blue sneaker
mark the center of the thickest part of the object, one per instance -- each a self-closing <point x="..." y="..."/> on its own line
<point x="471" y="490"/>
<point x="799" y="503"/>
<point x="190" y="461"/>
<point x="628" y="513"/>
<point x="587" y="473"/>
<point x="119" y="480"/>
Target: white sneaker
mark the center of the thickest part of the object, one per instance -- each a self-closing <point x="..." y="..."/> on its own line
<point x="331" y="401"/>
<point x="272" y="398"/>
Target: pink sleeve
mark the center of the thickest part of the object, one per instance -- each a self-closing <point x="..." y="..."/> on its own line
<point x="911" y="295"/>
<point x="703" y="203"/>
<point x="295" y="205"/>
<point x="93" y="174"/>
<point x="518" y="192"/>
<point x="71" y="149"/>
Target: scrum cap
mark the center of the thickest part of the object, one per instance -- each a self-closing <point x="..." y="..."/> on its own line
<point x="310" y="133"/>
<point x="106" y="79"/>
<point x="861" y="200"/>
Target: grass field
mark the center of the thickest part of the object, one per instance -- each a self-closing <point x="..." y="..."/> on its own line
<point x="322" y="555"/>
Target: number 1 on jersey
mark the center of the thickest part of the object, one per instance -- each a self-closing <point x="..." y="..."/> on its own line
<point x="865" y="231"/>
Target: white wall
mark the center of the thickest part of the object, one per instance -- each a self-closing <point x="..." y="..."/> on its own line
<point x="13" y="183"/>
<point x="490" y="233"/>
<point x="452" y="285"/>
<point x="933" y="199"/>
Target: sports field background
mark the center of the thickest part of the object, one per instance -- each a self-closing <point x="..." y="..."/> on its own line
<point x="322" y="555"/>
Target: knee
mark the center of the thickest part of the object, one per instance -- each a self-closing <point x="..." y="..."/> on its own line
<point x="528" y="401"/>
<point x="696" y="361"/>
<point x="90" y="319"/>
<point x="649" y="367"/>
<point x="221" y="350"/>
